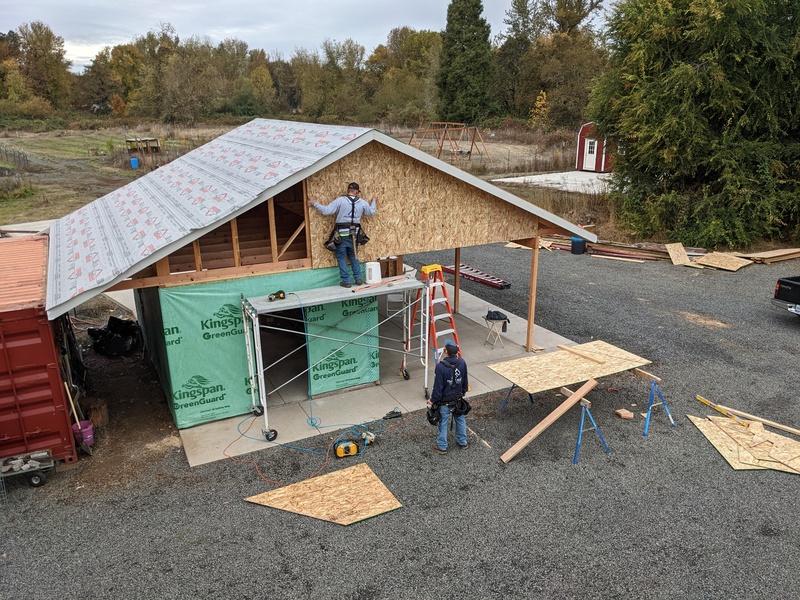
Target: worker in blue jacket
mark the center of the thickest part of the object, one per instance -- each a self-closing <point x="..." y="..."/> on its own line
<point x="450" y="383"/>
<point x="348" y="210"/>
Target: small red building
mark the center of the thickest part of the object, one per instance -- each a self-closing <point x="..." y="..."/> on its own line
<point x="591" y="154"/>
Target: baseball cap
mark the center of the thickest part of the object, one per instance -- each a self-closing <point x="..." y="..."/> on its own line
<point x="450" y="344"/>
<point x="353" y="186"/>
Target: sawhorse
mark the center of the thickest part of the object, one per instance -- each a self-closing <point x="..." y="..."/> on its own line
<point x="585" y="404"/>
<point x="654" y="381"/>
<point x="513" y="385"/>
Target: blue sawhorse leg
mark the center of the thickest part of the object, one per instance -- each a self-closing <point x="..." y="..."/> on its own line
<point x="653" y="390"/>
<point x="585" y="411"/>
<point x="508" y="395"/>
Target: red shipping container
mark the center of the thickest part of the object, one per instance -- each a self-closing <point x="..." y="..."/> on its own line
<point x="34" y="414"/>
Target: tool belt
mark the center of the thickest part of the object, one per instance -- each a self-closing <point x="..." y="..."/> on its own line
<point x="344" y="228"/>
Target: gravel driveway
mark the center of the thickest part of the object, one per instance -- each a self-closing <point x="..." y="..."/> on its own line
<point x="662" y="516"/>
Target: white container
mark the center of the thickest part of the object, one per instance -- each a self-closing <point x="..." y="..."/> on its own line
<point x="373" y="272"/>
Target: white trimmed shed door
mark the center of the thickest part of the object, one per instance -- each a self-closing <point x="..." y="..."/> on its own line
<point x="590" y="155"/>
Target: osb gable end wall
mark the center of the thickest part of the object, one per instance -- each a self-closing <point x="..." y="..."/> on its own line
<point x="420" y="209"/>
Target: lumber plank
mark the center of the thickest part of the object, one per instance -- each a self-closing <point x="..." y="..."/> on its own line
<point x="744" y="415"/>
<point x="645" y="375"/>
<point x="548" y="420"/>
<point x="579" y="353"/>
<point x="633" y="260"/>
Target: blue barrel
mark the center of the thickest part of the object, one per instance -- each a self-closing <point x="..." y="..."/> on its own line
<point x="578" y="245"/>
<point x="134" y="163"/>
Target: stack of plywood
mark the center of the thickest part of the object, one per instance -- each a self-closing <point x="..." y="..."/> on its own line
<point x="771" y="256"/>
<point x="750" y="447"/>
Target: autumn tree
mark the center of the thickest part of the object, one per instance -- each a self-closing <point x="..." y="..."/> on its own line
<point x="466" y="70"/>
<point x="98" y="84"/>
<point x="702" y="98"/>
<point x="565" y="66"/>
<point x="401" y="76"/>
<point x="43" y="65"/>
<point x="192" y="84"/>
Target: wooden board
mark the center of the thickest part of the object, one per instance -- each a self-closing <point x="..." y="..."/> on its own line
<point x="721" y="260"/>
<point x="557" y="369"/>
<point x="677" y="253"/>
<point x="755" y="441"/>
<point x="724" y="444"/>
<point x="548" y="420"/>
<point x="771" y="256"/>
<point x="344" y="497"/>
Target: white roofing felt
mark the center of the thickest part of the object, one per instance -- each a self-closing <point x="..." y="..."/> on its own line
<point x="123" y="232"/>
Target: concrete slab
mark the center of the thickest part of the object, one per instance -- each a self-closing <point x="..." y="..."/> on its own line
<point x="572" y="181"/>
<point x="291" y="412"/>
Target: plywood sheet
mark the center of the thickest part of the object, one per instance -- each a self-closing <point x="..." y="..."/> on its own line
<point x="724" y="444"/>
<point x="752" y="439"/>
<point x="342" y="497"/>
<point x="721" y="260"/>
<point x="557" y="369"/>
<point x="677" y="253"/>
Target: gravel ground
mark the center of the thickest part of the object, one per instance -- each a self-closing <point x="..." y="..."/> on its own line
<point x="662" y="516"/>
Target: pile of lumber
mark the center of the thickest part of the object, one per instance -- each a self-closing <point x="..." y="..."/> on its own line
<point x="771" y="256"/>
<point x="638" y="251"/>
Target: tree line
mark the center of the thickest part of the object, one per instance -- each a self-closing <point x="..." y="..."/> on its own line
<point x="460" y="74"/>
<point x="700" y="98"/>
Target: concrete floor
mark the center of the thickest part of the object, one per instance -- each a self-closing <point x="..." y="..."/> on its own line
<point x="296" y="417"/>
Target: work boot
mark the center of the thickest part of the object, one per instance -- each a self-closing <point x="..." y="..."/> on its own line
<point x="344" y="284"/>
<point x="359" y="282"/>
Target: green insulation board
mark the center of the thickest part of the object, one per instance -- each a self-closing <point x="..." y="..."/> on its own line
<point x="206" y="354"/>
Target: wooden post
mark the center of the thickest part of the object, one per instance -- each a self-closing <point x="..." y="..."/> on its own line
<point x="532" y="290"/>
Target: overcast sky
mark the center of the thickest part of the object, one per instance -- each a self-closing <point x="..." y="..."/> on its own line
<point x="87" y="26"/>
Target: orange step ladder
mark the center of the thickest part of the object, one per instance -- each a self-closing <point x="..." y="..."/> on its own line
<point x="437" y="315"/>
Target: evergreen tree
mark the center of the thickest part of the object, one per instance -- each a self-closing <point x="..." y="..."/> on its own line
<point x="703" y="99"/>
<point x="466" y="70"/>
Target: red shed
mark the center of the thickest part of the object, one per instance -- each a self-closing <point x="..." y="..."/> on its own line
<point x="34" y="414"/>
<point x="591" y="154"/>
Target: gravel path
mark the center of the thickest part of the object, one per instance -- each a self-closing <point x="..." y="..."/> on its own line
<point x="661" y="517"/>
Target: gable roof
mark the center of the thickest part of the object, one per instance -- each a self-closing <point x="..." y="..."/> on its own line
<point x="123" y="232"/>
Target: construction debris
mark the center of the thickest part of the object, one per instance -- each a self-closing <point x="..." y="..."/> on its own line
<point x="624" y="413"/>
<point x="751" y="447"/>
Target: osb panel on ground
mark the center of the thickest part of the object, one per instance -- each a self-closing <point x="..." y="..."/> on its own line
<point x="556" y="369"/>
<point x="331" y="497"/>
<point x="750" y="447"/>
<point x="420" y="209"/>
<point x="726" y="446"/>
<point x="720" y="260"/>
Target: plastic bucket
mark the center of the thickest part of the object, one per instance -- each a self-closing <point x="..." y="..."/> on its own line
<point x="373" y="272"/>
<point x="578" y="245"/>
<point x="134" y="163"/>
<point x="83" y="433"/>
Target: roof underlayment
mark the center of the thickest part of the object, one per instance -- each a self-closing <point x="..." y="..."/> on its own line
<point x="133" y="227"/>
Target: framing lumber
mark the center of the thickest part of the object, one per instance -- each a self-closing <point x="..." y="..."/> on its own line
<point x="744" y="415"/>
<point x="548" y="420"/>
<point x="237" y="259"/>
<point x="273" y="236"/>
<point x="579" y="353"/>
<point x="198" y="259"/>
<point x="529" y="347"/>
<point x="645" y="375"/>
<point x="291" y="239"/>
<point x="633" y="260"/>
